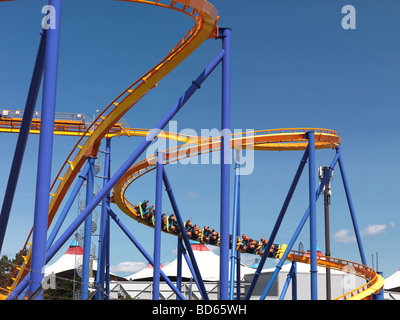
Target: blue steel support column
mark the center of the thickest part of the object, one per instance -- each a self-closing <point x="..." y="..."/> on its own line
<point x="107" y="275"/>
<point x="87" y="232"/>
<point x="225" y="165"/>
<point x="199" y="280"/>
<point x="157" y="226"/>
<point x="19" y="289"/>
<point x="381" y="294"/>
<point x="39" y="237"/>
<point x="179" y="266"/>
<point x="67" y="206"/>
<point x="294" y="281"/>
<point x="299" y="228"/>
<point x="237" y="251"/>
<point x="107" y="230"/>
<point x="288" y="280"/>
<point x="235" y="227"/>
<point x="351" y="207"/>
<point x="313" y="215"/>
<point x="143" y="252"/>
<point x="103" y="243"/>
<point x="134" y="156"/>
<point x="278" y="223"/>
<point x="189" y="264"/>
<point x="22" y="137"/>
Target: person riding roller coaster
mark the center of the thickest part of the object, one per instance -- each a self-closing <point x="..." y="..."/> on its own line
<point x="244" y="244"/>
<point x="192" y="230"/>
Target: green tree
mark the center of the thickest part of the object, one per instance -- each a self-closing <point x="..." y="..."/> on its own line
<point x="5" y="269"/>
<point x="7" y="266"/>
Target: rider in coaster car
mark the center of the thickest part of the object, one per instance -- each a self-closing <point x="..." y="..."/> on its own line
<point x="196" y="232"/>
<point x="213" y="237"/>
<point x="173" y="224"/>
<point x="189" y="228"/>
<point x="163" y="221"/>
<point x="148" y="213"/>
<point x="251" y="245"/>
<point x="205" y="234"/>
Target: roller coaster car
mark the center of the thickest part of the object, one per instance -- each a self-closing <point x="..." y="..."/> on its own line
<point x="206" y="235"/>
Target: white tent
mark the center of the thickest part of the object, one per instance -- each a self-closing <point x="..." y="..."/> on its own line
<point x="145" y="273"/>
<point x="302" y="268"/>
<point x="207" y="261"/>
<point x="72" y="260"/>
<point x="392" y="283"/>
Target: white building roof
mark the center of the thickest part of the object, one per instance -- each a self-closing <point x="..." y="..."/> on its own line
<point x="207" y="261"/>
<point x="393" y="282"/>
<point x="70" y="260"/>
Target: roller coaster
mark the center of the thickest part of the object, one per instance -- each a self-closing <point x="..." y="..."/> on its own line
<point x="24" y="282"/>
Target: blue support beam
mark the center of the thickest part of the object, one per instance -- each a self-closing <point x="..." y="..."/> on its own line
<point x="67" y="207"/>
<point x="238" y="277"/>
<point x="157" y="226"/>
<point x="179" y="265"/>
<point x="143" y="252"/>
<point x="291" y="275"/>
<point x="381" y="294"/>
<point x="235" y="229"/>
<point x="107" y="274"/>
<point x="104" y="223"/>
<point x="106" y="230"/>
<point x="313" y="214"/>
<point x="87" y="241"/>
<point x="351" y="208"/>
<point x="22" y="137"/>
<point x="189" y="264"/>
<point x="43" y="182"/>
<point x="225" y="164"/>
<point x="294" y="281"/>
<point x="185" y="237"/>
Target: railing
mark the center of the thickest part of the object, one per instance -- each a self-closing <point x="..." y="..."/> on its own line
<point x="279" y="139"/>
<point x="343" y="265"/>
<point x="62" y="116"/>
<point x="64" y="123"/>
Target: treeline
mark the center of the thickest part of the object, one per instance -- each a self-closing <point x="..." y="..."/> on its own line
<point x="6" y="267"/>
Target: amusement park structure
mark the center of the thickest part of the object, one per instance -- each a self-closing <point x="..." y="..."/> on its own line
<point x="43" y="242"/>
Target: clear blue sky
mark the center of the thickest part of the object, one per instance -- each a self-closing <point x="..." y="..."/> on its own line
<point x="293" y="65"/>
